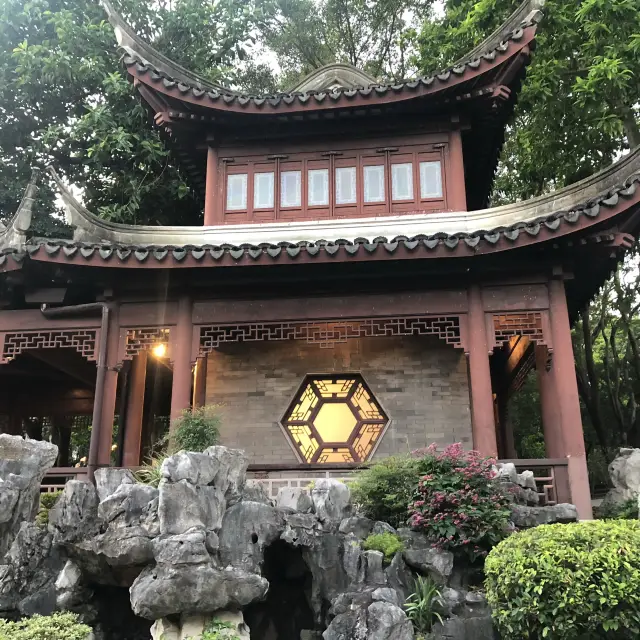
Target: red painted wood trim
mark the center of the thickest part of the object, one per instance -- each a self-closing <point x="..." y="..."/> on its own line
<point x="211" y="211"/>
<point x="181" y="356"/>
<point x="456" y="185"/>
<point x="482" y="411"/>
<point x="326" y="308"/>
<point x="568" y="400"/>
<point x="109" y="391"/>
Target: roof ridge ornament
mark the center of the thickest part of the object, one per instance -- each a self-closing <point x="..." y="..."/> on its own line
<point x="14" y="235"/>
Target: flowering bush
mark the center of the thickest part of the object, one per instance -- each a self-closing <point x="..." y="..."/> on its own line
<point x="459" y="506"/>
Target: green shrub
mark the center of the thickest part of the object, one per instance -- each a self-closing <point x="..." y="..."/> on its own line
<point x="47" y="500"/>
<point x="59" y="626"/>
<point x="151" y="471"/>
<point x="388" y="543"/>
<point x="459" y="505"/>
<point x="567" y="581"/>
<point x="195" y="430"/>
<point x="425" y="605"/>
<point x="384" y="490"/>
<point x="627" y="510"/>
<point x="219" y="630"/>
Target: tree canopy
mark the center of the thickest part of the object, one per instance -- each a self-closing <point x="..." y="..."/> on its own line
<point x="64" y="99"/>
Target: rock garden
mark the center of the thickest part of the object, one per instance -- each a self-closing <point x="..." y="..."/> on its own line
<point x="432" y="545"/>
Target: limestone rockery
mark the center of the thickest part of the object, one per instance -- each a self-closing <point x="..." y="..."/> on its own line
<point x="138" y="561"/>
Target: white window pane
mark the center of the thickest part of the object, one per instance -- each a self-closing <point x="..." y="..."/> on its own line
<point x="430" y="179"/>
<point x="374" y="184"/>
<point x="402" y="181"/>
<point x="236" y="191"/>
<point x="290" y="189"/>
<point x="263" y="190"/>
<point x="345" y="185"/>
<point x="318" y="187"/>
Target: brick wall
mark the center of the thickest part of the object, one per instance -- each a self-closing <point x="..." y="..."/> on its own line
<point x="420" y="381"/>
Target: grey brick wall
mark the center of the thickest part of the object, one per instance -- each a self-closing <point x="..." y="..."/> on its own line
<point x="420" y="381"/>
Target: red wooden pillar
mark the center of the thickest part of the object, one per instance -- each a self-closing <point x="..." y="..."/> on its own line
<point x="566" y="386"/>
<point x="135" y="410"/>
<point x="457" y="195"/>
<point x="482" y="410"/>
<point x="181" y="390"/>
<point x="553" y="442"/>
<point x="200" y="383"/>
<point x="211" y="188"/>
<point x="109" y="392"/>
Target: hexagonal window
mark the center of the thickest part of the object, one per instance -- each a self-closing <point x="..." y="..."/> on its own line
<point x="334" y="418"/>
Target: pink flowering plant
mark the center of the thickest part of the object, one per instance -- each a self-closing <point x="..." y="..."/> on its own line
<point x="458" y="504"/>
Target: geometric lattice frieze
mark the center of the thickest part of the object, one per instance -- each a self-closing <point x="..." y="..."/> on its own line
<point x="82" y="340"/>
<point x="334" y="418"/>
<point x="526" y="323"/>
<point x="326" y="334"/>
<point x="144" y="339"/>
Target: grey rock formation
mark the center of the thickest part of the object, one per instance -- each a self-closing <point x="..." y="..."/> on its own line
<point x="386" y="621"/>
<point x="198" y="544"/>
<point x="357" y="525"/>
<point x="166" y="590"/>
<point x="195" y="468"/>
<point x="624" y="472"/>
<point x="378" y="621"/>
<point x="331" y="500"/>
<point x="108" y="480"/>
<point x="75" y="515"/>
<point x="526" y="517"/>
<point x="28" y="572"/>
<point x="23" y="464"/>
<point x="255" y="492"/>
<point x="420" y="555"/>
<point x="232" y="471"/>
<point x="295" y="499"/>
<point x="247" y="528"/>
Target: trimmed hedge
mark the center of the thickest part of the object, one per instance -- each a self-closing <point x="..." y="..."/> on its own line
<point x="59" y="626"/>
<point x="567" y="581"/>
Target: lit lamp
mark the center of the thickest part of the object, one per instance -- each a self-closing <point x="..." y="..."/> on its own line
<point x="160" y="350"/>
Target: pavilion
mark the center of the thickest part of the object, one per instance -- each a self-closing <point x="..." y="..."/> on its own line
<point x="349" y="294"/>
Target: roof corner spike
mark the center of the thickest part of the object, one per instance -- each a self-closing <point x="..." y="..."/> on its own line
<point x="84" y="222"/>
<point x="529" y="13"/>
<point x="14" y="235"/>
<point x="137" y="48"/>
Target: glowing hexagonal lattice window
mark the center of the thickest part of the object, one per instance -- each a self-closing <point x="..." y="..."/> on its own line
<point x="334" y="418"/>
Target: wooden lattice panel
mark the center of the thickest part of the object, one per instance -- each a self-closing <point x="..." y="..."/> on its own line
<point x="144" y="339"/>
<point x="508" y="325"/>
<point x="82" y="340"/>
<point x="327" y="334"/>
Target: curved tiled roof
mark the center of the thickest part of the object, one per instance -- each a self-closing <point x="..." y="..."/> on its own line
<point x="584" y="204"/>
<point x="159" y="72"/>
<point x="567" y="205"/>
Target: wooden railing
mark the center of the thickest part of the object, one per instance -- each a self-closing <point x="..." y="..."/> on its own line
<point x="56" y="478"/>
<point x="551" y="475"/>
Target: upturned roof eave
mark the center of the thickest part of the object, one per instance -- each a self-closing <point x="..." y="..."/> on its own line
<point x="163" y="76"/>
<point x="583" y="198"/>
